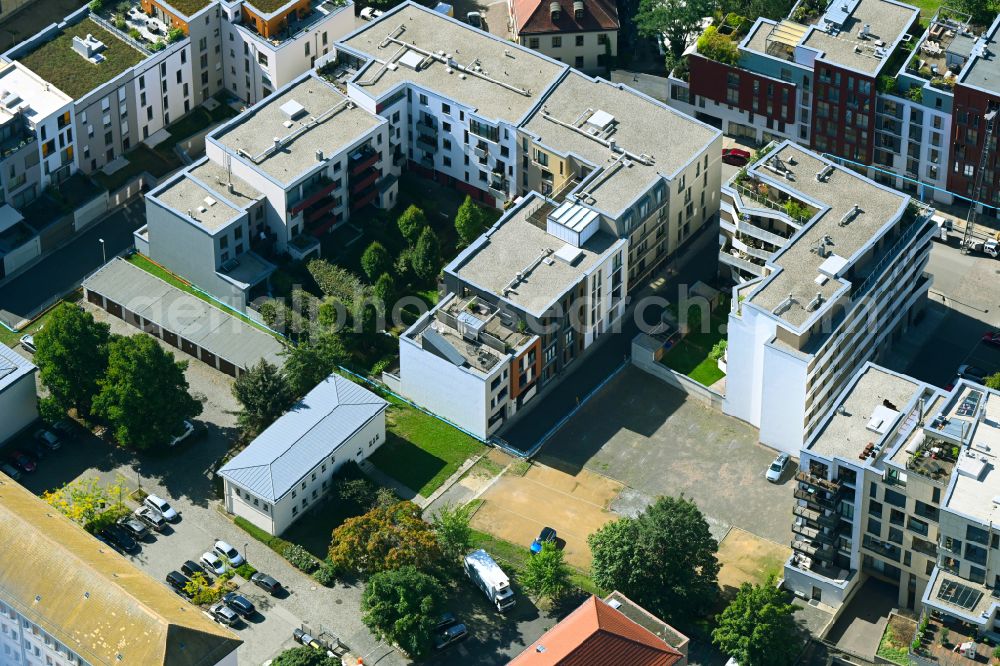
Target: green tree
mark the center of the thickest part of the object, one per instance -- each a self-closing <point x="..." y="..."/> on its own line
<point x="311" y="361"/>
<point x="375" y="261"/>
<point x="144" y="394"/>
<point x="83" y="500"/>
<point x="470" y="222"/>
<point x="757" y="627"/>
<point x="264" y="394"/>
<point x="401" y="606"/>
<point x="427" y="255"/>
<point x="411" y="222"/>
<point x="993" y="381"/>
<point x="385" y="538"/>
<point x="304" y="656"/>
<point x="718" y="47"/>
<point x="677" y="19"/>
<point x="546" y="573"/>
<point x="664" y="559"/>
<point x="385" y="290"/>
<point x="454" y="533"/>
<point x="72" y="356"/>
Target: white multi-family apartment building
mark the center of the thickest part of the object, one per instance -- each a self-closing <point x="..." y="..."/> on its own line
<point x="274" y="179"/>
<point x="829" y="271"/>
<point x="900" y="483"/>
<point x="289" y="467"/>
<point x="66" y="599"/>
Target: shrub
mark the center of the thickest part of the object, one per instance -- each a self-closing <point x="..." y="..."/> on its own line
<point x="915" y="645"/>
<point x="109" y="517"/>
<point x="300" y="558"/>
<point x="96" y="6"/>
<point x="135" y="34"/>
<point x="719" y="350"/>
<point x="246" y="570"/>
<point x="118" y="22"/>
<point x="252" y="530"/>
<point x="944" y="635"/>
<point x="915" y="93"/>
<point x="123" y="7"/>
<point x="718" y="47"/>
<point x="326" y="574"/>
<point x="175" y="35"/>
<point x="157" y="46"/>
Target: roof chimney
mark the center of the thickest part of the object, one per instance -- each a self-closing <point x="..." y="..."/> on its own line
<point x="578" y="9"/>
<point x="277" y="143"/>
<point x="319" y="155"/>
<point x="555" y="10"/>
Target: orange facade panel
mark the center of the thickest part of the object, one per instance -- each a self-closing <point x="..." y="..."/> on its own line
<point x="273" y="26"/>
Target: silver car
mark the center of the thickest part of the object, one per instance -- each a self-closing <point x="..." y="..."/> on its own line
<point x="776" y="469"/>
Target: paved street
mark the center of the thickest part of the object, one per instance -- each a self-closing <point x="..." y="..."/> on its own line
<point x="22" y="297"/>
<point x="698" y="263"/>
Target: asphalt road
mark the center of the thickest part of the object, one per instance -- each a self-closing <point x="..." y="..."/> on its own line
<point x="698" y="263"/>
<point x="24" y="296"/>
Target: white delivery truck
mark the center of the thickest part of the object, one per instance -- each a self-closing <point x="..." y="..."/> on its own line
<point x="490" y="578"/>
<point x="944" y="227"/>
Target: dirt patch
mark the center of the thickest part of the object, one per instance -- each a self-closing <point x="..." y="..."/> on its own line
<point x="516" y="508"/>
<point x="746" y="558"/>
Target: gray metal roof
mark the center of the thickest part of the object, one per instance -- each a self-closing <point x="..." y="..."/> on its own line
<point x="299" y="441"/>
<point x="191" y="318"/>
<point x="13" y="366"/>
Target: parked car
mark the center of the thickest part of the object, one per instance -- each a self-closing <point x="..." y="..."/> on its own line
<point x="777" y="467"/>
<point x="186" y="431"/>
<point x="22" y="461"/>
<point x="28" y="343"/>
<point x="370" y="14"/>
<point x="117" y="536"/>
<point x="10" y="471"/>
<point x="972" y="373"/>
<point x="65" y="429"/>
<point x="177" y="580"/>
<point x="266" y="583"/>
<point x="547" y="534"/>
<point x="151" y="517"/>
<point x="135" y="527"/>
<point x="735" y="156"/>
<point x="161" y="505"/>
<point x="213" y="563"/>
<point x="992" y="338"/>
<point x="450" y="636"/>
<point x="300" y="636"/>
<point x="48" y="439"/>
<point x="190" y="568"/>
<point x="223" y="614"/>
<point x="240" y="604"/>
<point x="445" y="621"/>
<point x="223" y="549"/>
<point x="475" y="19"/>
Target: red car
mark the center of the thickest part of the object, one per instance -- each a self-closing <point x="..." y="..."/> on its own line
<point x="992" y="338"/>
<point x="735" y="156"/>
<point x="22" y="461"/>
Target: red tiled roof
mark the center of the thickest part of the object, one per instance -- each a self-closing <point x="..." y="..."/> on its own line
<point x="595" y="634"/>
<point x="535" y="16"/>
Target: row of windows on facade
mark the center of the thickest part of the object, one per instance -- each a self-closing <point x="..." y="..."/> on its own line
<point x="578" y="40"/>
<point x="30" y="628"/>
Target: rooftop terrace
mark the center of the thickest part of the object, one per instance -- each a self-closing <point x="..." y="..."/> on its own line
<point x="500" y="81"/>
<point x="520" y="261"/>
<point x="852" y="212"/>
<point x="307" y="117"/>
<point x="566" y="124"/>
<point x="871" y="408"/>
<point x="58" y="63"/>
<point x="976" y="482"/>
<point x="860" y="34"/>
<point x="983" y="69"/>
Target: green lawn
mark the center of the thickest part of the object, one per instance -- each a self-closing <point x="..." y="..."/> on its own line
<point x="928" y="8"/>
<point x="11" y="338"/>
<point x="690" y="356"/>
<point x="420" y="451"/>
<point x="141" y="158"/>
<point x="895" y="648"/>
<point x="60" y="65"/>
<point x="513" y="557"/>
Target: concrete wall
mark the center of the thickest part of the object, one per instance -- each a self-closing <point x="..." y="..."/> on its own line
<point x="783" y="399"/>
<point x="19" y="406"/>
<point x="22" y="255"/>
<point x="645" y="358"/>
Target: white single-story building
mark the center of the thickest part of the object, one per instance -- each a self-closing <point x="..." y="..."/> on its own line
<point x="18" y="395"/>
<point x="289" y="466"/>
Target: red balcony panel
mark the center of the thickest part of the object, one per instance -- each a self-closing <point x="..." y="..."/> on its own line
<point x="321" y="229"/>
<point x="311" y="199"/>
<point x="364" y="163"/>
<point x="364" y="199"/>
<point x="364" y="183"/>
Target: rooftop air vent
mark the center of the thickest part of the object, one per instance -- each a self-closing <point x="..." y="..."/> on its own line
<point x="815" y="303"/>
<point x="89" y="47"/>
<point x="784" y="305"/>
<point x="292" y="109"/>
<point x="866" y="31"/>
<point x="850" y="215"/>
<point x="825" y="173"/>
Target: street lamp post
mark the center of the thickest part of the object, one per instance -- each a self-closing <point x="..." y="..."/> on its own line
<point x="104" y="254"/>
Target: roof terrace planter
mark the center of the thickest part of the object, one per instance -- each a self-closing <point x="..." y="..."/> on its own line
<point x="187" y="8"/>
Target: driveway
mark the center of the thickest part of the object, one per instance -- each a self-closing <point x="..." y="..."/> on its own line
<point x="860" y="626"/>
<point x="25" y="295"/>
<point x="657" y="442"/>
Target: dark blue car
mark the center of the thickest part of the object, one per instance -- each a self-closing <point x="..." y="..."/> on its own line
<point x="547" y="534"/>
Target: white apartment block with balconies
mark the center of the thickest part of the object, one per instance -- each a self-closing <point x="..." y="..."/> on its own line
<point x="830" y="297"/>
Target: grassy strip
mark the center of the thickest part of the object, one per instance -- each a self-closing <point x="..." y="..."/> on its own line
<point x="12" y="338"/>
<point x="515" y="557"/>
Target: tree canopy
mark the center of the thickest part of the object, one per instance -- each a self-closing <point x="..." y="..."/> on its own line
<point x="402" y="606"/>
<point x="375" y="260"/>
<point x="470" y="222"/>
<point x="385" y="538"/>
<point x="664" y="559"/>
<point x="992" y="381"/>
<point x="678" y="20"/>
<point x="427" y="255"/>
<point x="72" y="354"/>
<point x="411" y="222"/>
<point x="313" y="360"/>
<point x="264" y="394"/>
<point x="546" y="573"/>
<point x="144" y="394"/>
<point x="757" y="627"/>
<point x="304" y="656"/>
<point x="454" y="533"/>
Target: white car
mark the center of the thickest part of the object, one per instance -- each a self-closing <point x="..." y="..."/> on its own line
<point x="185" y="433"/>
<point x="223" y="549"/>
<point x="28" y="342"/>
<point x="161" y="505"/>
<point x="213" y="563"/>
<point x="777" y="468"/>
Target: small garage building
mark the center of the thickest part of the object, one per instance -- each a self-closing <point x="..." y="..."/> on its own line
<point x="18" y="395"/>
